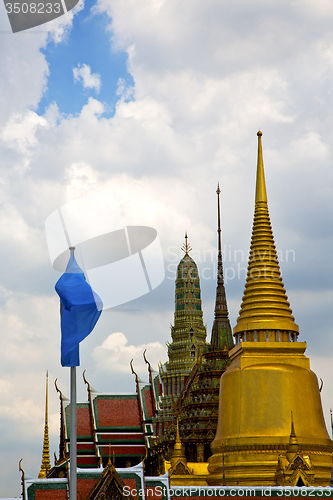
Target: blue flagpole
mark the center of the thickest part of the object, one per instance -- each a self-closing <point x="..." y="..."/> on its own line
<point x="80" y="309"/>
<point x="73" y="444"/>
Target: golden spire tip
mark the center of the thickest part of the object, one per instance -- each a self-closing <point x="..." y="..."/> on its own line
<point x="261" y="194"/>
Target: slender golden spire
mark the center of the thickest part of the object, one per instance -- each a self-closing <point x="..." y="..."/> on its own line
<point x="265" y="304"/>
<point x="46" y="462"/>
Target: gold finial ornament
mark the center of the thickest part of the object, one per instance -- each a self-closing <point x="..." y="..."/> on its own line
<point x="265" y="305"/>
<point x="22" y="480"/>
<point x="186" y="247"/>
<point x="46" y="462"/>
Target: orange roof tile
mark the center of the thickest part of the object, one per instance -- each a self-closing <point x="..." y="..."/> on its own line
<point x="118" y="412"/>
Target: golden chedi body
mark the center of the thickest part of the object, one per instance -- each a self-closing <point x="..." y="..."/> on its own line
<point x="271" y="429"/>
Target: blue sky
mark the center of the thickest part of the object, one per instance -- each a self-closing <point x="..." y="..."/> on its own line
<point x="88" y="42"/>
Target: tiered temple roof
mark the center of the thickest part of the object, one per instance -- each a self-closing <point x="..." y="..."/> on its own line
<point x="124" y="420"/>
<point x="95" y="484"/>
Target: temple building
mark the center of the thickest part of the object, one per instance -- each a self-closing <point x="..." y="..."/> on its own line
<point x="124" y="420"/>
<point x="197" y="407"/>
<point x="216" y="414"/>
<point x="188" y="339"/>
<point x="271" y="427"/>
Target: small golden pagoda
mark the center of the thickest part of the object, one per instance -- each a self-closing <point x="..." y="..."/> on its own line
<point x="46" y="463"/>
<point x="271" y="429"/>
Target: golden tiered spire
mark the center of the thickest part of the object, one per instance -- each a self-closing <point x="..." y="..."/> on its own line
<point x="265" y="304"/>
<point x="186" y="247"/>
<point x="270" y="373"/>
<point x="46" y="463"/>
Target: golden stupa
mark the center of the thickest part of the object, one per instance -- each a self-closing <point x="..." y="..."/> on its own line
<point x="271" y="428"/>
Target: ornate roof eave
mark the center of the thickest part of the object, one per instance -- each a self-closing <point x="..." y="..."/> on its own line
<point x="151" y="381"/>
<point x="91" y="390"/>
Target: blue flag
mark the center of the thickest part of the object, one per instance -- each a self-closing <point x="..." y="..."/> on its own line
<point x="80" y="309"/>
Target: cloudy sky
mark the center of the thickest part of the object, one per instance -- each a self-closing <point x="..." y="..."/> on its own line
<point x="158" y="100"/>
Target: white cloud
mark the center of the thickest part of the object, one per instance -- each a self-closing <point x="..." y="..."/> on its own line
<point x="89" y="80"/>
<point x="60" y="27"/>
<point x="123" y="90"/>
<point x="115" y="354"/>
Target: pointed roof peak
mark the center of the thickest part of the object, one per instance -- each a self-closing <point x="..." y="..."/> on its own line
<point x="261" y="194"/>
